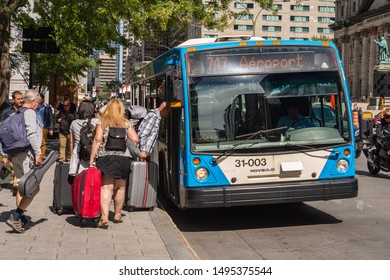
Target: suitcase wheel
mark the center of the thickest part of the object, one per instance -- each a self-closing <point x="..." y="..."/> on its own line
<point x="60" y="211"/>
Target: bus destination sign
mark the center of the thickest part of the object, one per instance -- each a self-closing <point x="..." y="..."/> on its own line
<point x="211" y="63"/>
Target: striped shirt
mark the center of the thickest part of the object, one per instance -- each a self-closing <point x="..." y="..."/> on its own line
<point x="148" y="131"/>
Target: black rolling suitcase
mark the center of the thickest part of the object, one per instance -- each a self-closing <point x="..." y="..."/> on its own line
<point x="62" y="190"/>
<point x="142" y="186"/>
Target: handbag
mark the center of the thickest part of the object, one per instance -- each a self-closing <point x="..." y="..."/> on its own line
<point x="4" y="172"/>
<point x="133" y="149"/>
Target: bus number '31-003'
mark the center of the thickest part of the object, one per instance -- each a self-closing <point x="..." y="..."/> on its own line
<point x="251" y="162"/>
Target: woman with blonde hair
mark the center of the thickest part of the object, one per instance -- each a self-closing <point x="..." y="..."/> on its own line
<point x="112" y="158"/>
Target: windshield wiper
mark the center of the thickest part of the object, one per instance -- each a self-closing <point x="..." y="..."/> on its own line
<point x="253" y="134"/>
<point x="231" y="150"/>
<point x="310" y="147"/>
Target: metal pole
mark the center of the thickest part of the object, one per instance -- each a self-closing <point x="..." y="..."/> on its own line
<point x="30" y="82"/>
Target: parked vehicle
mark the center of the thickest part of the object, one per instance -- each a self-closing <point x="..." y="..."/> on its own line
<point x="379" y="161"/>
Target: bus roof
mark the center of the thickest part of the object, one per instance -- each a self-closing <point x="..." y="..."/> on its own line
<point x="201" y="41"/>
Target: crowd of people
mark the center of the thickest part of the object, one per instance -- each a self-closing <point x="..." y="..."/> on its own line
<point x="40" y="119"/>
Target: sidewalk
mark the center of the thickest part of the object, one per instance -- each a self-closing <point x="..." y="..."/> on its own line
<point x="144" y="235"/>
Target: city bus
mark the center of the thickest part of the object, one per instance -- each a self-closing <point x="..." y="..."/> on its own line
<point x="223" y="145"/>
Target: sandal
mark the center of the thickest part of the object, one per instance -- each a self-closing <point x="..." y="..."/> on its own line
<point x="117" y="221"/>
<point x="103" y="225"/>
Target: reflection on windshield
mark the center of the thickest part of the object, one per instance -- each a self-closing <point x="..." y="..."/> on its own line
<point x="267" y="111"/>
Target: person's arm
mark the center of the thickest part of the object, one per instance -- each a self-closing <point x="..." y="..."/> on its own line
<point x="4" y="156"/>
<point x="97" y="140"/>
<point x="132" y="135"/>
<point x="30" y="118"/>
<point x="50" y="116"/>
<point x="71" y="138"/>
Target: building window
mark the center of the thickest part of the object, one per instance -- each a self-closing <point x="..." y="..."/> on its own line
<point x="325" y="30"/>
<point x="243" y="27"/>
<point x="272" y="28"/>
<point x="243" y="5"/>
<point x="272" y="38"/>
<point x="297" y="29"/>
<point x="272" y="18"/>
<point x="244" y="17"/>
<point x="210" y="36"/>
<point x="278" y="7"/>
<point x="325" y="20"/>
<point x="300" y="8"/>
<point x="298" y="38"/>
<point x="299" y="18"/>
<point x="326" y="9"/>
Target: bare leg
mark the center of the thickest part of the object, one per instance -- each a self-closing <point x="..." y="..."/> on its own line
<point x="26" y="201"/>
<point x="119" y="198"/>
<point x="105" y="197"/>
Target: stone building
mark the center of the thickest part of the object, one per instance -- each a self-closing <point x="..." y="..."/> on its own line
<point x="295" y="20"/>
<point x="358" y="24"/>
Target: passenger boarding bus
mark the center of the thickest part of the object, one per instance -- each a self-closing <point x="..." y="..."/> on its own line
<point x="231" y="138"/>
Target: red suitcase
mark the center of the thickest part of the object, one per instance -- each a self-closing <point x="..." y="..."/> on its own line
<point x="86" y="193"/>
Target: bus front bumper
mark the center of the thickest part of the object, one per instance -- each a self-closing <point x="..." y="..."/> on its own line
<point x="284" y="192"/>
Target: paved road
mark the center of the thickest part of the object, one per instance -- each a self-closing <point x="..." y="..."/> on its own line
<point x="144" y="235"/>
<point x="344" y="229"/>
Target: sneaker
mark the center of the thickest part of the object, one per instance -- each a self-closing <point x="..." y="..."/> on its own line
<point x="25" y="223"/>
<point x="15" y="225"/>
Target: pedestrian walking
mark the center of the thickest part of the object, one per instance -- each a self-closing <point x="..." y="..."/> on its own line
<point x="23" y="161"/>
<point x="85" y="115"/>
<point x="66" y="100"/>
<point x="112" y="157"/>
<point x="65" y="119"/>
<point x="17" y="102"/>
<point x="149" y="129"/>
<point x="45" y="117"/>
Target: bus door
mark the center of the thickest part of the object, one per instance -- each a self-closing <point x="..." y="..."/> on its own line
<point x="173" y="143"/>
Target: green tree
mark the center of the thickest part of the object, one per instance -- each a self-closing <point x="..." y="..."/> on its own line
<point x="84" y="26"/>
<point x="321" y="38"/>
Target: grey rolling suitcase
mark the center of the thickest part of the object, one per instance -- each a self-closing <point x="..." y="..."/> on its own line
<point x="62" y="190"/>
<point x="142" y="186"/>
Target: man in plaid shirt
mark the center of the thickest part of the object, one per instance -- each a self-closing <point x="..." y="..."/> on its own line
<point x="149" y="129"/>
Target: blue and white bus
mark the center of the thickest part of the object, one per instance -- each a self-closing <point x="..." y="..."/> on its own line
<point x="224" y="144"/>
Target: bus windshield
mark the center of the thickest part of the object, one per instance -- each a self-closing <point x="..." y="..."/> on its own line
<point x="247" y="112"/>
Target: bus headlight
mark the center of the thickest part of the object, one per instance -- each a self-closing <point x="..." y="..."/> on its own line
<point x="201" y="173"/>
<point x="342" y="165"/>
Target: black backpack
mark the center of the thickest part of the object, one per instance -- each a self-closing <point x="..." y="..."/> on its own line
<point x="116" y="139"/>
<point x="87" y="133"/>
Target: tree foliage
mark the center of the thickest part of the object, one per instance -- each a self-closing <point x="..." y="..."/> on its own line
<point x="83" y="26"/>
